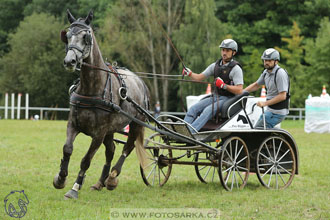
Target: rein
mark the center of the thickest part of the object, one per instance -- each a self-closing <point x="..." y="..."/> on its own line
<point x="143" y="73"/>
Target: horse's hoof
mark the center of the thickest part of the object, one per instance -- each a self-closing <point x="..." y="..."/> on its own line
<point x="71" y="194"/>
<point x="59" y="182"/>
<point x="98" y="186"/>
<point x="112" y="181"/>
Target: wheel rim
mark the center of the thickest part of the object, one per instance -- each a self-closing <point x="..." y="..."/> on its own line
<point x="205" y="173"/>
<point x="275" y="163"/>
<point x="234" y="164"/>
<point x="158" y="170"/>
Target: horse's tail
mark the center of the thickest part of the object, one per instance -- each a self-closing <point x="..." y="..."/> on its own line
<point x="140" y="150"/>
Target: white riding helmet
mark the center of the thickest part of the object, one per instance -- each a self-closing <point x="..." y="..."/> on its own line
<point x="229" y="44"/>
<point x="270" y="54"/>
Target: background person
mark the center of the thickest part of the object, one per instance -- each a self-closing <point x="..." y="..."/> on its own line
<point x="157" y="109"/>
<point x="277" y="83"/>
<point x="228" y="79"/>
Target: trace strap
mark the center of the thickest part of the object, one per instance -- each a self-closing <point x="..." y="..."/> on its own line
<point x="97" y="102"/>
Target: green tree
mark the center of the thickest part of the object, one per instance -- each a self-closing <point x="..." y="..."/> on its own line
<point x="34" y="64"/>
<point x="79" y="8"/>
<point x="292" y="55"/>
<point x="253" y="67"/>
<point x="10" y="16"/>
<point x="56" y="8"/>
<point x="317" y="56"/>
<point x="131" y="34"/>
<point x="310" y="18"/>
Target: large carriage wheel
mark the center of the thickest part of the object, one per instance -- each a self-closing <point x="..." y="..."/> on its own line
<point x="234" y="164"/>
<point x="275" y="163"/>
<point x="158" y="168"/>
<point x="207" y="173"/>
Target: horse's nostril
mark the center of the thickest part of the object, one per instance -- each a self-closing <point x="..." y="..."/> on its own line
<point x="73" y="62"/>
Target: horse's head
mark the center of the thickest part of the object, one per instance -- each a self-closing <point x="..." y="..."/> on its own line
<point x="78" y="40"/>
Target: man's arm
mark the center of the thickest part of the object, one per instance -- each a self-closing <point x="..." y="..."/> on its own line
<point x="197" y="77"/>
<point x="279" y="98"/>
<point x="252" y="87"/>
<point x="235" y="89"/>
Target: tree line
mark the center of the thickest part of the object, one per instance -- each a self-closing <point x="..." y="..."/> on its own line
<point x="132" y="33"/>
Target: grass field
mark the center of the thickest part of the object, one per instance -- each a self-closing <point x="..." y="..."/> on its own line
<point x="30" y="154"/>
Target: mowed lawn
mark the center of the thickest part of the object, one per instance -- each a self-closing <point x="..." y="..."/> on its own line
<point x="30" y="154"/>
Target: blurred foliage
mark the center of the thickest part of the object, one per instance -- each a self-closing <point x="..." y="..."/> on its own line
<point x="198" y="40"/>
<point x="318" y="59"/>
<point x="31" y="53"/>
<point x="34" y="63"/>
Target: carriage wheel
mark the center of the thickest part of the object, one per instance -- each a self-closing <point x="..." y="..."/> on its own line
<point x="234" y="164"/>
<point x="275" y="163"/>
<point x="158" y="168"/>
<point x="207" y="173"/>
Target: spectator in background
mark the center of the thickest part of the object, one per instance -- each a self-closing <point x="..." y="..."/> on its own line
<point x="157" y="109"/>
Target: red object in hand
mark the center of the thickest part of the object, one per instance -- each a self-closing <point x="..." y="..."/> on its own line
<point x="186" y="71"/>
<point x="219" y="83"/>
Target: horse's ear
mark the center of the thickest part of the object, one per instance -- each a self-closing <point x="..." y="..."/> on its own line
<point x="70" y="17"/>
<point x="89" y="17"/>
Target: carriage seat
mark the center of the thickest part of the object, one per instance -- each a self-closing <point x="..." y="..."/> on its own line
<point x="229" y="108"/>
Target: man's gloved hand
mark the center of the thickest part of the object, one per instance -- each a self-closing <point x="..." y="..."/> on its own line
<point x="186" y="71"/>
<point x="220" y="83"/>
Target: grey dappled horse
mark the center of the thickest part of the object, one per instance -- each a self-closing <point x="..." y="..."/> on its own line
<point x="99" y="122"/>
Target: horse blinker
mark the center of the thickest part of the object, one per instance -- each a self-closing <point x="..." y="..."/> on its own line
<point x="64" y="38"/>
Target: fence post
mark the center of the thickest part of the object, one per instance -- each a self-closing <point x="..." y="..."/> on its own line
<point x="6" y="106"/>
<point x="27" y="106"/>
<point x="19" y="96"/>
<point x="12" y="105"/>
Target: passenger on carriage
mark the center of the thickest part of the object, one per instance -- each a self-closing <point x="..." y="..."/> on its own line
<point x="277" y="82"/>
<point x="228" y="79"/>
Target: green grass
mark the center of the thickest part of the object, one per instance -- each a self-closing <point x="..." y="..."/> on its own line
<point x="30" y="154"/>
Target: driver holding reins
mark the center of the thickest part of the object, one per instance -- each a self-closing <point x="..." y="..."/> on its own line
<point x="228" y="79"/>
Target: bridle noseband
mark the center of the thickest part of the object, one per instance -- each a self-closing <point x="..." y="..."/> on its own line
<point x="74" y="29"/>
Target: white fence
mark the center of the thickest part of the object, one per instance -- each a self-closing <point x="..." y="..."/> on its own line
<point x="295" y="113"/>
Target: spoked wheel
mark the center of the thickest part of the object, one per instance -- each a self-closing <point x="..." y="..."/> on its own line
<point x="158" y="168"/>
<point x="234" y="164"/>
<point x="207" y="172"/>
<point x="275" y="163"/>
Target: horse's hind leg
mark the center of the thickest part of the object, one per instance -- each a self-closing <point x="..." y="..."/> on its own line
<point x="136" y="132"/>
<point x="60" y="178"/>
<point x="84" y="165"/>
<point x="109" y="152"/>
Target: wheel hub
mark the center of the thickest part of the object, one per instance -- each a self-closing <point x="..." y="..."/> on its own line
<point x="161" y="161"/>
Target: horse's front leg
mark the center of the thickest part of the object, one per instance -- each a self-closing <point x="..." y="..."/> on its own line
<point x="60" y="178"/>
<point x="109" y="152"/>
<point x="84" y="165"/>
<point x="136" y="133"/>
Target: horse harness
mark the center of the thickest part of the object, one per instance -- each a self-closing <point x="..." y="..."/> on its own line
<point x="100" y="102"/>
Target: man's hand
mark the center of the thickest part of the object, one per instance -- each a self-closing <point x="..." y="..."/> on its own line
<point x="219" y="83"/>
<point x="261" y="104"/>
<point x="186" y="71"/>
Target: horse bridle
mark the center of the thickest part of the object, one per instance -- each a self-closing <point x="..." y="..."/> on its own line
<point x="74" y="29"/>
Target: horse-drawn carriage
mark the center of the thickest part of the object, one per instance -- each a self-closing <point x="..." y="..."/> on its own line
<point x="230" y="149"/>
<point x="103" y="103"/>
